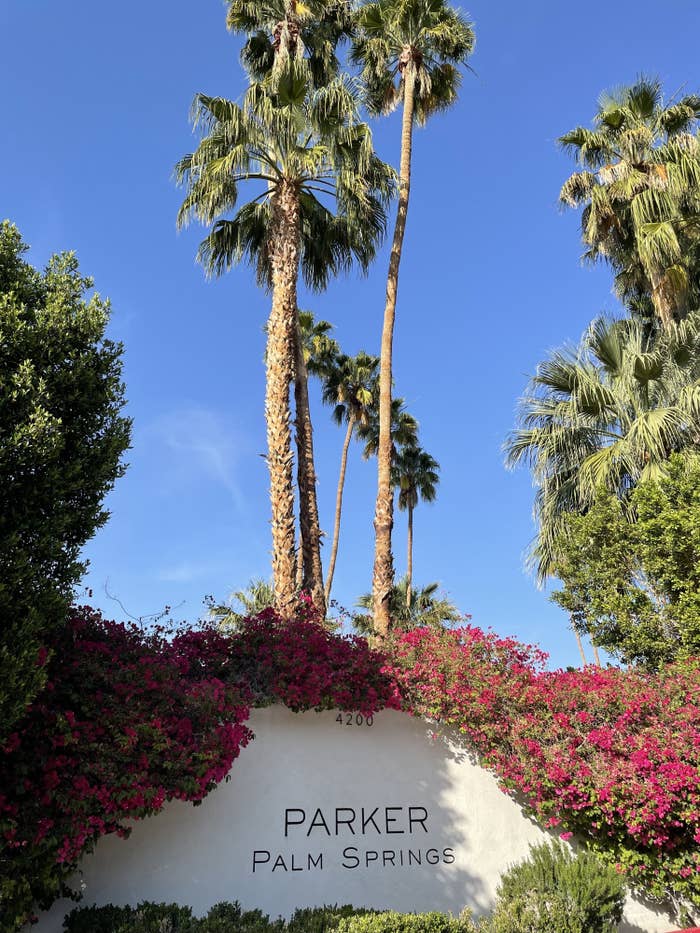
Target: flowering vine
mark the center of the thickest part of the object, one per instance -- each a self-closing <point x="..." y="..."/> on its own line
<point x="131" y="719"/>
<point x="610" y="755"/>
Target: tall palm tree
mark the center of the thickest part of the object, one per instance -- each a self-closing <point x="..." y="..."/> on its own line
<point x="427" y="608"/>
<point x="409" y="51"/>
<point x="416" y="475"/>
<point x="279" y="31"/>
<point x="305" y="148"/>
<point x="640" y="190"/>
<point x="609" y="414"/>
<point x="350" y="387"/>
<point x="314" y="350"/>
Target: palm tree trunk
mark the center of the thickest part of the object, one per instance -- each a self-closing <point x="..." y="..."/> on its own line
<point x="595" y="654"/>
<point x="383" y="576"/>
<point x="579" y="643"/>
<point x="661" y="300"/>
<point x="409" y="558"/>
<point x="280" y="366"/>
<point x="300" y="563"/>
<point x="338" y="507"/>
<point x="310" y="529"/>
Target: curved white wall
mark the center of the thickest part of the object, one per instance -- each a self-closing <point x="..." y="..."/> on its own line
<point x="317" y="811"/>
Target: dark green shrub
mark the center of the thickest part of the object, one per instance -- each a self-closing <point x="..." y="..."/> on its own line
<point x="145" y="918"/>
<point x="230" y="918"/>
<point x="106" y="919"/>
<point x="554" y="891"/>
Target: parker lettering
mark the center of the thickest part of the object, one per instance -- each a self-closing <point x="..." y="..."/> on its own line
<point x="361" y="821"/>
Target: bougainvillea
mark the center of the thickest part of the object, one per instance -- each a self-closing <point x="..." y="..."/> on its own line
<point x="303" y="665"/>
<point x="126" y="721"/>
<point x="130" y="719"/>
<point x="610" y="755"/>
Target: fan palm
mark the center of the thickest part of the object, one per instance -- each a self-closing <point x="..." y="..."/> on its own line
<point x="640" y="190"/>
<point x="351" y="387"/>
<point x="320" y="350"/>
<point x="404" y="429"/>
<point x="254" y="599"/>
<point x="409" y="52"/>
<point x="279" y="31"/>
<point x="305" y="149"/>
<point x="427" y="608"/>
<point x="607" y="414"/>
<point x="416" y="475"/>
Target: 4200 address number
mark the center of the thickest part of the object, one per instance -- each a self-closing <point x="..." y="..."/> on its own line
<point x="354" y="719"/>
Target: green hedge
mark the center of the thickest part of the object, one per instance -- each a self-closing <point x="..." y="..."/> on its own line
<point x="392" y="922"/>
<point x="230" y="918"/>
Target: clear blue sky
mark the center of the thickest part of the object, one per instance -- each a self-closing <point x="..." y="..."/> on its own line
<point x="95" y="113"/>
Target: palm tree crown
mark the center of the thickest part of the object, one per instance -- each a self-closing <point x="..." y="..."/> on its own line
<point x="426" y="36"/>
<point x="319" y="348"/>
<point x="404" y="428"/>
<point x="427" y="608"/>
<point x="416" y="476"/>
<point x="254" y="599"/>
<point x="307" y="140"/>
<point x="640" y="190"/>
<point x="607" y="414"/>
<point x="279" y="31"/>
<point x="350" y="386"/>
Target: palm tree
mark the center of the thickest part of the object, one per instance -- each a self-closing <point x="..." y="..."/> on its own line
<point x="427" y="608"/>
<point x="279" y="31"/>
<point x="314" y="350"/>
<point x="640" y="189"/>
<point x="607" y="414"/>
<point x="304" y="148"/>
<point x="319" y="348"/>
<point x="416" y="476"/>
<point x="409" y="51"/>
<point x="404" y="428"/>
<point x="254" y="599"/>
<point x="351" y="387"/>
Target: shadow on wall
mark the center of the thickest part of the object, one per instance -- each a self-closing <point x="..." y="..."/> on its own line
<point x="429" y="769"/>
<point x="488" y="830"/>
<point x="638" y="909"/>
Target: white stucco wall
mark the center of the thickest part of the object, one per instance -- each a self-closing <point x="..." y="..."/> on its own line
<point x="286" y="830"/>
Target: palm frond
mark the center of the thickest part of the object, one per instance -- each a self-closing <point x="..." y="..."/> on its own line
<point x="608" y="414"/>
